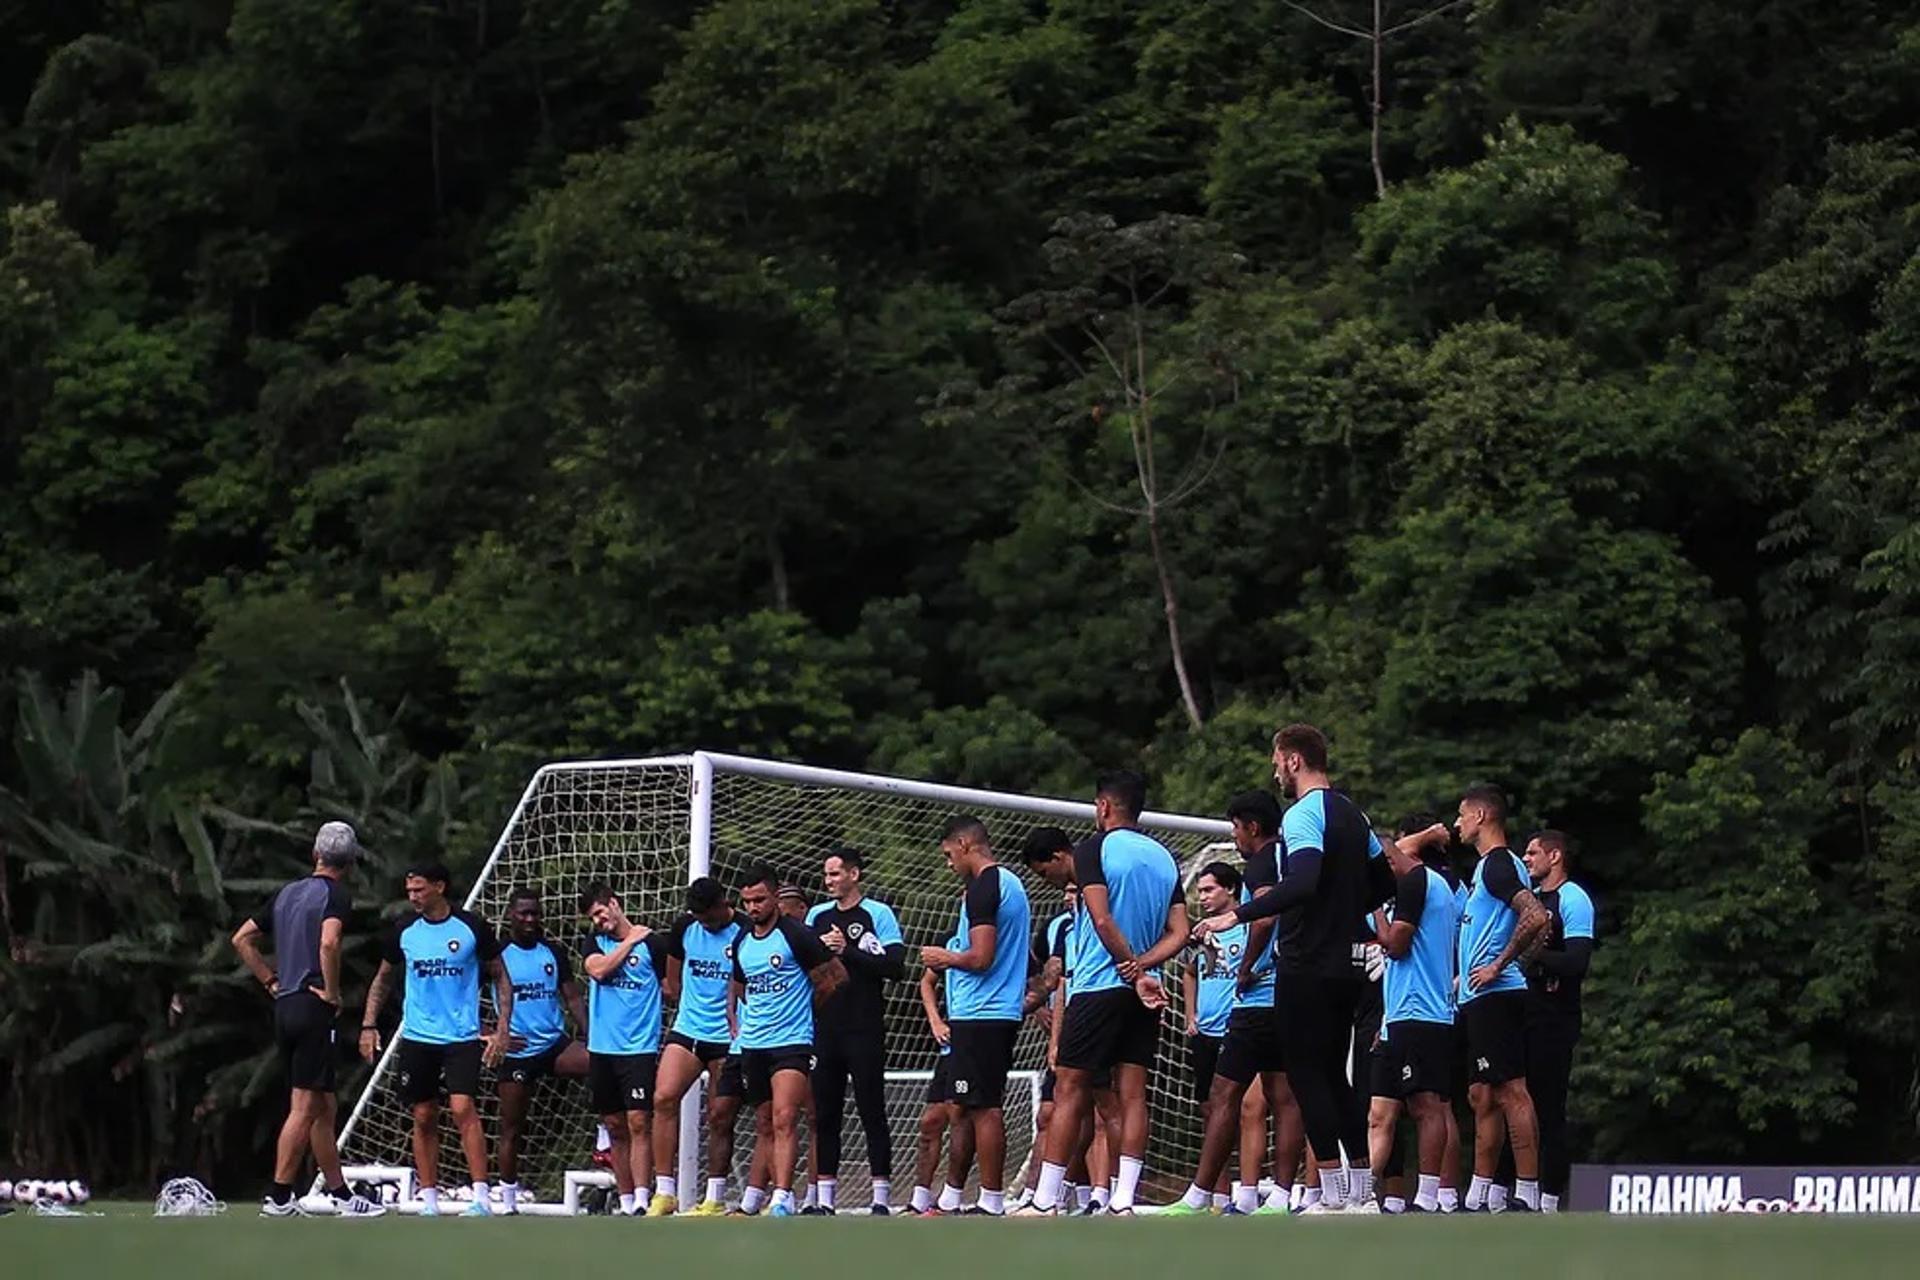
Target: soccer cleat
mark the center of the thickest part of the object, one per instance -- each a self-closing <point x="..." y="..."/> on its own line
<point x="663" y="1207"/>
<point x="358" y="1206"/>
<point x="816" y="1211"/>
<point x="708" y="1209"/>
<point x="1321" y="1209"/>
<point x="1181" y="1209"/>
<point x="1024" y="1211"/>
<point x="1271" y="1211"/>
<point x="288" y="1208"/>
<point x="879" y="1211"/>
<point x="477" y="1208"/>
<point x="929" y="1212"/>
<point x="780" y="1211"/>
<point x="318" y="1205"/>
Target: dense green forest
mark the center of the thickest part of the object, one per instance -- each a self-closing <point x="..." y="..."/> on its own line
<point x="398" y="395"/>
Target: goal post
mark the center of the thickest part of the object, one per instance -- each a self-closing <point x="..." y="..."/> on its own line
<point x="649" y="826"/>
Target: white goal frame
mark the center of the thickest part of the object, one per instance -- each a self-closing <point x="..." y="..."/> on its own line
<point x="703" y="766"/>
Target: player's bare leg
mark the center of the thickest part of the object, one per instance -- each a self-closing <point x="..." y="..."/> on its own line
<point x="640" y="1149"/>
<point x="722" y="1113"/>
<point x="426" y="1144"/>
<point x="790" y="1093"/>
<point x="1383" y="1122"/>
<point x="1253" y="1134"/>
<point x="473" y="1137"/>
<point x="679" y="1068"/>
<point x="514" y="1100"/>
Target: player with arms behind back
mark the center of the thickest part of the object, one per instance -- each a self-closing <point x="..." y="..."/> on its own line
<point x="544" y="993"/>
<point x="1135" y="920"/>
<point x="624" y="963"/>
<point x="441" y="951"/>
<point x="1553" y="1003"/>
<point x="986" y="991"/>
<point x="780" y="969"/>
<point x="700" y="967"/>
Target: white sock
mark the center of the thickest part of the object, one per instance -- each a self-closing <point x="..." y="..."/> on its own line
<point x="1527" y="1192"/>
<point x="828" y="1188"/>
<point x="1428" y="1196"/>
<point x="1126" y="1184"/>
<point x="1497" y="1197"/>
<point x="602" y="1140"/>
<point x="430" y="1199"/>
<point x="626" y="1202"/>
<point x="1477" y="1192"/>
<point x="1221" y="1200"/>
<point x="783" y="1196"/>
<point x="1359" y="1186"/>
<point x="1101" y="1197"/>
<point x="1246" y="1199"/>
<point x="716" y="1189"/>
<point x="1549" y="1204"/>
<point x="1082" y="1197"/>
<point x="1393" y="1204"/>
<point x="1267" y="1187"/>
<point x="882" y="1191"/>
<point x="994" y="1202"/>
<point x="510" y="1195"/>
<point x="1282" y="1198"/>
<point x="1196" y="1197"/>
<point x="666" y="1185"/>
<point x="1312" y="1196"/>
<point x="752" y="1199"/>
<point x="1449" y="1198"/>
<point x="922" y="1199"/>
<point x="1333" y="1186"/>
<point x="950" y="1198"/>
<point x="813" y="1191"/>
<point x="480" y="1191"/>
<point x="642" y="1197"/>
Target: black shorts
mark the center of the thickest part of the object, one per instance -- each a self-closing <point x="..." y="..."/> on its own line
<point x="1106" y="1029"/>
<point x="707" y="1051"/>
<point x="940" y="1088"/>
<point x="1414" y="1057"/>
<point x="423" y="1068"/>
<point x="982" y="1055"/>
<point x="1203" y="1056"/>
<point x="619" y="1082"/>
<point x="1496" y="1037"/>
<point x="535" y="1067"/>
<point x="303" y="1028"/>
<point x="1252" y="1046"/>
<point x="758" y="1067"/>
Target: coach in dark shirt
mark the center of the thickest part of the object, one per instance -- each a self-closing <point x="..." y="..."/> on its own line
<point x="305" y="920"/>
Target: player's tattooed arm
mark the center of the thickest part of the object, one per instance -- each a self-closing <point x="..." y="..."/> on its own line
<point x="827" y="979"/>
<point x="376" y="1000"/>
<point x="1529" y="935"/>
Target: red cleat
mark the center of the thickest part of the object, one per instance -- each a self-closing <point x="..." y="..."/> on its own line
<point x="603" y="1159"/>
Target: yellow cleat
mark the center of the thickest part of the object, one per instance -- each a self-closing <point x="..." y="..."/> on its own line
<point x="662" y="1207"/>
<point x="709" y="1209"/>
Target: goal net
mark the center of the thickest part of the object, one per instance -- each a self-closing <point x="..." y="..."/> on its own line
<point x="648" y="827"/>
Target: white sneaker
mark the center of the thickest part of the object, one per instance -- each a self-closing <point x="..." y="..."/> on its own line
<point x="271" y="1208"/>
<point x="319" y="1205"/>
<point x="361" y="1207"/>
<point x="1321" y="1209"/>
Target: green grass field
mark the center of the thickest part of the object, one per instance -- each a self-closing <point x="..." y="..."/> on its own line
<point x="129" y="1244"/>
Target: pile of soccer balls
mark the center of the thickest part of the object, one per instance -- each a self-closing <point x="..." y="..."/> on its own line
<point x="55" y="1191"/>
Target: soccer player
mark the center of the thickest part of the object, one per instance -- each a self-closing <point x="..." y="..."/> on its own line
<point x="1501" y="929"/>
<point x="1251" y="1049"/>
<point x="1328" y="883"/>
<point x="1135" y="920"/>
<point x="1050" y="959"/>
<point x="1208" y="982"/>
<point x="1412" y="1065"/>
<point x="780" y="971"/>
<point x="544" y="993"/>
<point x="441" y="950"/>
<point x="700" y="968"/>
<point x="305" y="919"/>
<point x="1553" y="1003"/>
<point x="851" y="1028"/>
<point x="986" y="999"/>
<point x="624" y="963"/>
<point x="936" y="1119"/>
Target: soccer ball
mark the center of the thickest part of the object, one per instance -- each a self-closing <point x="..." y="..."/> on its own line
<point x="26" y="1191"/>
<point x="80" y="1191"/>
<point x="57" y="1192"/>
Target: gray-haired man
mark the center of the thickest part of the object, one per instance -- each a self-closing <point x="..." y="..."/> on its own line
<point x="305" y="919"/>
